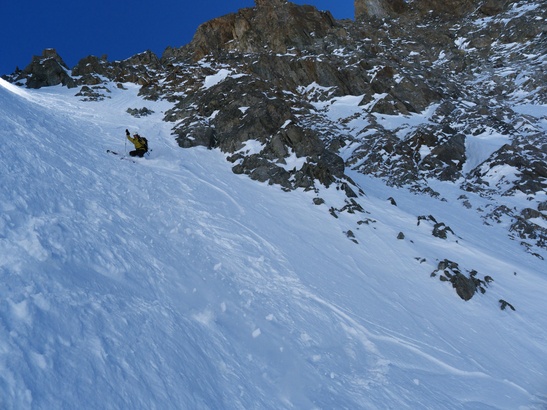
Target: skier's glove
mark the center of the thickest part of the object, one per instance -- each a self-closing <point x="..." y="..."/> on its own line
<point x="127" y="132"/>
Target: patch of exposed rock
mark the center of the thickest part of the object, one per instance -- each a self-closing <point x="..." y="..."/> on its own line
<point x="261" y="131"/>
<point x="465" y="285"/>
<point x="46" y="70"/>
<point x="275" y="26"/>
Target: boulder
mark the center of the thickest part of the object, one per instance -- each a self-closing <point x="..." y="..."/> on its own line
<point x="465" y="286"/>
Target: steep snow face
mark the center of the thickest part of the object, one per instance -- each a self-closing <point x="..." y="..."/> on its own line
<point x="170" y="282"/>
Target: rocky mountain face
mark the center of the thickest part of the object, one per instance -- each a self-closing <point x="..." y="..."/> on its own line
<point x="429" y="79"/>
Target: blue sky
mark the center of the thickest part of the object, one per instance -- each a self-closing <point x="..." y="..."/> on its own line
<point x="116" y="28"/>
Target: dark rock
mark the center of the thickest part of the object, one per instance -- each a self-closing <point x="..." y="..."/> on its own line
<point x="92" y="66"/>
<point x="529" y="160"/>
<point x="440" y="230"/>
<point x="139" y="69"/>
<point x="465" y="286"/>
<point x="275" y="25"/>
<point x="351" y="236"/>
<point x="426" y="218"/>
<point x="504" y="304"/>
<point x="139" y="112"/>
<point x="95" y="93"/>
<point x="528" y="230"/>
<point x="46" y="70"/>
<point x="260" y="116"/>
<point x="529" y="213"/>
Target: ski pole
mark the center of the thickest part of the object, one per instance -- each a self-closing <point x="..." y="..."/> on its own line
<point x="125" y="145"/>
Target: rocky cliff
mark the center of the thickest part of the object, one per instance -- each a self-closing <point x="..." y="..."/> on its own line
<point x="430" y="77"/>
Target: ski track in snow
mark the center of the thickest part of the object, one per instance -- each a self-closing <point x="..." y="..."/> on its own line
<point x="173" y="283"/>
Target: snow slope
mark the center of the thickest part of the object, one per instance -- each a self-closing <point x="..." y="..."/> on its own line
<point x="172" y="283"/>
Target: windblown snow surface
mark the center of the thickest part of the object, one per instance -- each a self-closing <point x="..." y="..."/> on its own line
<point x="172" y="283"/>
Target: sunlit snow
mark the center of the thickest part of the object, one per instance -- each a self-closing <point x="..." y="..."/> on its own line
<point x="172" y="283"/>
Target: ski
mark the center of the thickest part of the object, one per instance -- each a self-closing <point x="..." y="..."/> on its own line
<point x="121" y="156"/>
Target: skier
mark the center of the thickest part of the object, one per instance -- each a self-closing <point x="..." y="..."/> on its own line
<point x="141" y="144"/>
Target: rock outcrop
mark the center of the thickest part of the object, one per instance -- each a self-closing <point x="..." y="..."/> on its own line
<point x="276" y="26"/>
<point x="264" y="40"/>
<point x="466" y="286"/>
<point x="139" y="69"/>
<point x="47" y="70"/>
<point x="451" y="9"/>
